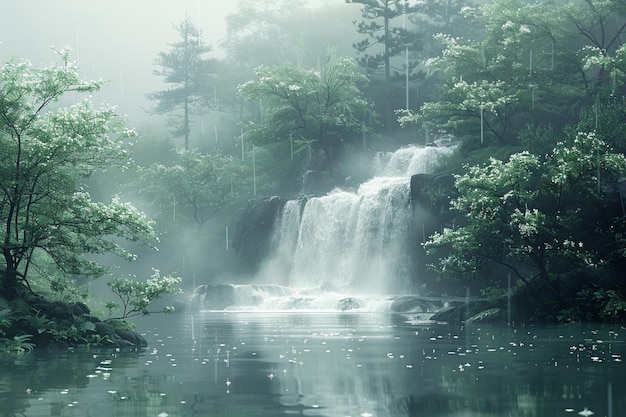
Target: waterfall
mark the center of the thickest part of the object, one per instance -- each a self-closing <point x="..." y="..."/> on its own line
<point x="352" y="241"/>
<point x="347" y="250"/>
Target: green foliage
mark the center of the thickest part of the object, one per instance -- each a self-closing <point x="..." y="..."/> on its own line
<point x="307" y="107"/>
<point x="5" y="319"/>
<point x="39" y="322"/>
<point x="46" y="155"/>
<point x="191" y="77"/>
<point x="527" y="214"/>
<point x="137" y="296"/>
<point x="613" y="305"/>
<point x="17" y="344"/>
<point x="534" y="64"/>
<point x="76" y="331"/>
<point x="593" y="303"/>
<point x="196" y="186"/>
<point x="384" y="40"/>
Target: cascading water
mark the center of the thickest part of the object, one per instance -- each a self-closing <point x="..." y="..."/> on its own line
<point x="349" y="242"/>
<point x="347" y="249"/>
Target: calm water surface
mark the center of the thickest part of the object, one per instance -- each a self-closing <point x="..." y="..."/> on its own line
<point x="326" y="364"/>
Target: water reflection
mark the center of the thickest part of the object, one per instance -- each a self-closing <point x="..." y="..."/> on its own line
<point x="325" y="364"/>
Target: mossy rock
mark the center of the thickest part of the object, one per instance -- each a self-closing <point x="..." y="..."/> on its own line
<point x="104" y="329"/>
<point x="128" y="337"/>
<point x="58" y="323"/>
<point x="57" y="310"/>
<point x="80" y="309"/>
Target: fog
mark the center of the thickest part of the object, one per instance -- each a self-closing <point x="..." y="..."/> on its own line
<point x="113" y="40"/>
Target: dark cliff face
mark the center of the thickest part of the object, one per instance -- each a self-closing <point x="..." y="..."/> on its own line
<point x="252" y="240"/>
<point x="433" y="193"/>
<point x="430" y="203"/>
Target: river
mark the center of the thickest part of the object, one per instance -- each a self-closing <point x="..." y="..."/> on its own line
<point x="252" y="363"/>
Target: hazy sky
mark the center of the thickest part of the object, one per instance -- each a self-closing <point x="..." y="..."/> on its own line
<point x="116" y="40"/>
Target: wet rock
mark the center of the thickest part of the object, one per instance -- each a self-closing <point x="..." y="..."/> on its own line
<point x="432" y="193"/>
<point x="80" y="309"/>
<point x="488" y="316"/>
<point x="317" y="182"/>
<point x="451" y="314"/>
<point x="104" y="329"/>
<point x="55" y="310"/>
<point x="128" y="337"/>
<point x="196" y="300"/>
<point x="219" y="296"/>
<point x="430" y="212"/>
<point x="254" y="230"/>
<point x="348" y="304"/>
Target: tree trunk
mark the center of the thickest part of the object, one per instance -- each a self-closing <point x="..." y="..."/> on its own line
<point x="8" y="280"/>
<point x="186" y="122"/>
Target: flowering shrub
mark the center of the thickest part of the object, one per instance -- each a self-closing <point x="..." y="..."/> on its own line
<point x="137" y="296"/>
<point x="525" y="214"/>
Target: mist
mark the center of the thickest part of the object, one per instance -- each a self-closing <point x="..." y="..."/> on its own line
<point x="116" y="41"/>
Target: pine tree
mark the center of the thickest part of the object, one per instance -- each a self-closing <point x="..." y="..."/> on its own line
<point x="190" y="75"/>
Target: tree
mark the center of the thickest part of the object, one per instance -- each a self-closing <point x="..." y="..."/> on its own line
<point x="307" y="107"/>
<point x="536" y="63"/>
<point x="439" y="15"/>
<point x="274" y="32"/>
<point x="190" y="75"/>
<point x="495" y="84"/>
<point x="432" y="17"/>
<point x="383" y="42"/>
<point x="195" y="187"/>
<point x="46" y="154"/>
<point x="381" y="33"/>
<point x="601" y="25"/>
<point x="536" y="217"/>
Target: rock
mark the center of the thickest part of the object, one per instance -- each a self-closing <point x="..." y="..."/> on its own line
<point x="80" y="309"/>
<point x="491" y="315"/>
<point x="430" y="212"/>
<point x="219" y="296"/>
<point x="126" y="337"/>
<point x="104" y="329"/>
<point x="432" y="193"/>
<point x="54" y="310"/>
<point x="317" y="182"/>
<point x="196" y="300"/>
<point x="254" y="231"/>
<point x="348" y="304"/>
<point x="451" y="314"/>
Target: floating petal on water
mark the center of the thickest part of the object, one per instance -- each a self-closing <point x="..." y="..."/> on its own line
<point x="586" y="412"/>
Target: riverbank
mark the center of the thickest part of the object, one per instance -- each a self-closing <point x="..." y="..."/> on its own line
<point x="32" y="321"/>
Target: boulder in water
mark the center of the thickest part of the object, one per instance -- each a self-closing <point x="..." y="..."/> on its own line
<point x="348" y="304"/>
<point x="451" y="314"/>
<point x="219" y="296"/>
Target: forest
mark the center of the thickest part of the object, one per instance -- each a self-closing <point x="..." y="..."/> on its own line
<point x="533" y="92"/>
